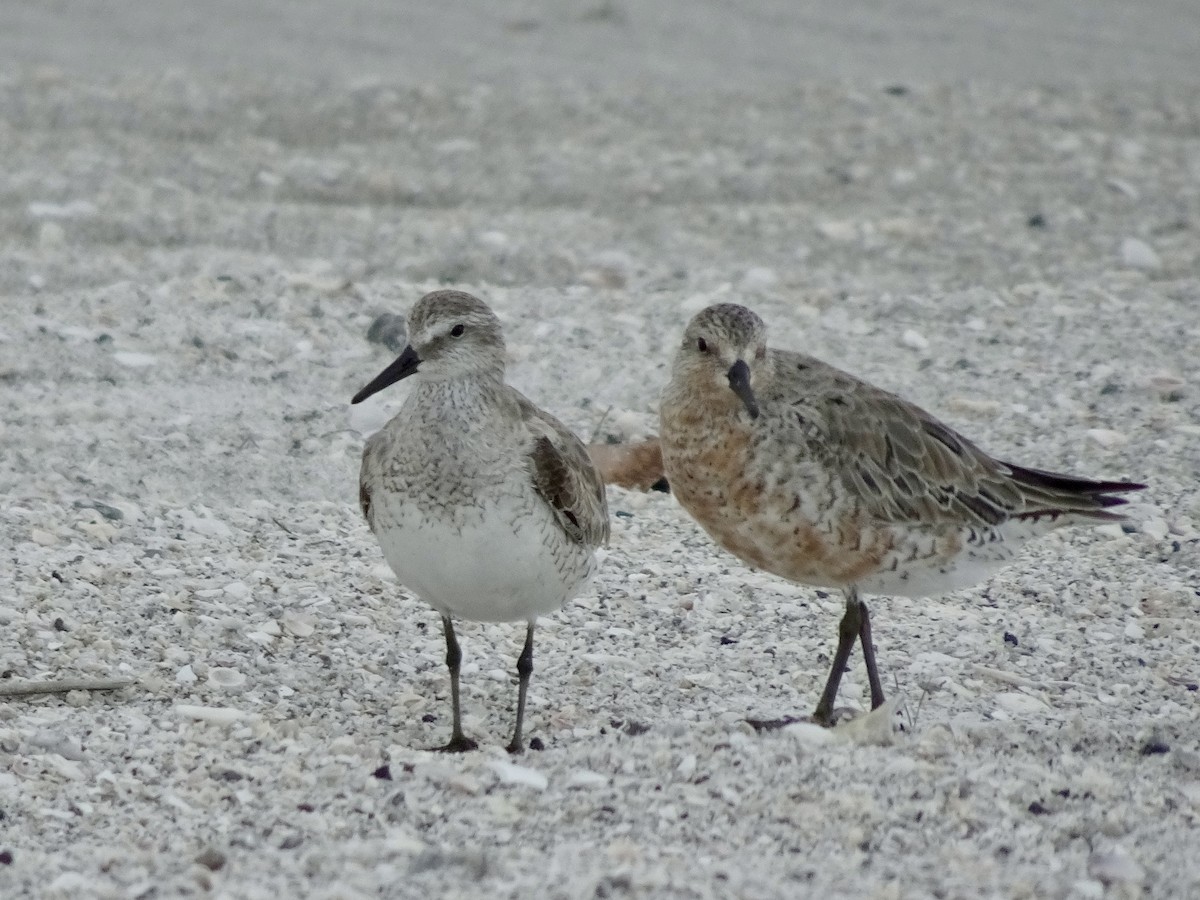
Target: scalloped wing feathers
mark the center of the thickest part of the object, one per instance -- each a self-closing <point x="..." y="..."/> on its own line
<point x="904" y="465"/>
<point x="565" y="478"/>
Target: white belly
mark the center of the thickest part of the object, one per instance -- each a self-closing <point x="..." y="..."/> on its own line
<point x="502" y="564"/>
<point x="931" y="579"/>
<point x="984" y="552"/>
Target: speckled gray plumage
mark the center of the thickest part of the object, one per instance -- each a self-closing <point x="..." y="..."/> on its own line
<point x="484" y="505"/>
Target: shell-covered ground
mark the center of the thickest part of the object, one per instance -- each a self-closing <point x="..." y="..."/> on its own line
<point x="191" y="265"/>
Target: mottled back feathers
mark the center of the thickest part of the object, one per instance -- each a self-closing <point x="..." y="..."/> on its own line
<point x="565" y="478"/>
<point x="904" y="466"/>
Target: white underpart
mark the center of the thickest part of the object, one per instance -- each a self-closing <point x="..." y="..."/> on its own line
<point x="931" y="580"/>
<point x="985" y="552"/>
<point x="501" y="560"/>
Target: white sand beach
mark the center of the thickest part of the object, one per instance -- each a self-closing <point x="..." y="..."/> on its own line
<point x="993" y="210"/>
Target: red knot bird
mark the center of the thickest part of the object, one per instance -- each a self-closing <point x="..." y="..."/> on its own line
<point x="809" y="473"/>
<point x="485" y="506"/>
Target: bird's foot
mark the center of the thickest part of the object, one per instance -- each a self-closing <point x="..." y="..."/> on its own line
<point x="761" y="725"/>
<point x="835" y="717"/>
<point x="458" y="744"/>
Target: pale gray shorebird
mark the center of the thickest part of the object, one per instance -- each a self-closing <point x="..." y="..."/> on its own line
<point x="809" y="473"/>
<point x="485" y="506"/>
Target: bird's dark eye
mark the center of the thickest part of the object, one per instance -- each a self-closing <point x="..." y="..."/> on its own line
<point x="702" y="345"/>
<point x="457" y="330"/>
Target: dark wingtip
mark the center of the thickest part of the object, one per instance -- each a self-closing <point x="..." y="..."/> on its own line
<point x="1110" y="500"/>
<point x="1070" y="483"/>
<point x="1067" y="490"/>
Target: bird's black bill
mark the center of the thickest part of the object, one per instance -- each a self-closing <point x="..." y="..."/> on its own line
<point x="406" y="364"/>
<point x="739" y="382"/>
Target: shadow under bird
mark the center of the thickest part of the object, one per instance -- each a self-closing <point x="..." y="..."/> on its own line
<point x="485" y="506"/>
<point x="804" y="471"/>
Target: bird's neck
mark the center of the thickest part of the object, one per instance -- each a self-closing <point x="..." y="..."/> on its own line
<point x="471" y="399"/>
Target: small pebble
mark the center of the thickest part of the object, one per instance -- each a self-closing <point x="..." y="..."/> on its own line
<point x="226" y="678"/>
<point x="493" y="240"/>
<point x="1115" y="866"/>
<point x="612" y="269"/>
<point x="73" y="209"/>
<point x="71" y="884"/>
<point x="809" y="735"/>
<point x="1166" y="383"/>
<point x="59" y="743"/>
<point x="237" y="589"/>
<point x="464" y="784"/>
<point x="759" y="278"/>
<point x="840" y="231"/>
<point x="298" y="624"/>
<point x="1155" y="747"/>
<point x="1087" y="889"/>
<point x="687" y="766"/>
<point x="585" y="779"/>
<point x="1156" y="528"/>
<point x="100" y="531"/>
<point x="205" y="526"/>
<point x="215" y="715"/>
<point x="389" y="330"/>
<point x="1121" y="186"/>
<point x="211" y="859"/>
<point x="1188" y="760"/>
<point x="511" y="773"/>
<point x="43" y="537"/>
<point x="1018" y="703"/>
<point x="1137" y="254"/>
<point x="133" y="360"/>
<point x="109" y="512"/>
<point x="1106" y="437"/>
<point x="51" y="235"/>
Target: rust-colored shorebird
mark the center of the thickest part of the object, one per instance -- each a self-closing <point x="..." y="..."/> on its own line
<point x="485" y="506"/>
<point x="809" y="473"/>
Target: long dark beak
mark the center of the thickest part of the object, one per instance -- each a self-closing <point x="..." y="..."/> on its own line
<point x="406" y="364"/>
<point x="739" y="381"/>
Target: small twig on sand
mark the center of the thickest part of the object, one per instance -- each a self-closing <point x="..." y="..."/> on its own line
<point x="599" y="425"/>
<point x="911" y="716"/>
<point x="1020" y="680"/>
<point x="28" y="688"/>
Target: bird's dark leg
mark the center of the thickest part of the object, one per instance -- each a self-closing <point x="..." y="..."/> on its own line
<point x="524" y="670"/>
<point x="458" y="741"/>
<point x="868" y="649"/>
<point x="850" y="630"/>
